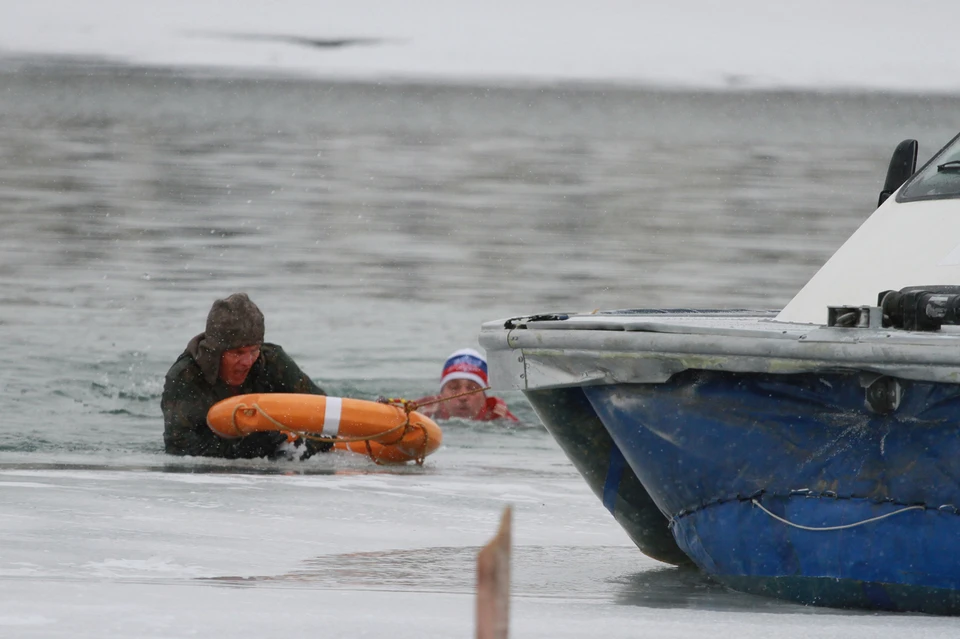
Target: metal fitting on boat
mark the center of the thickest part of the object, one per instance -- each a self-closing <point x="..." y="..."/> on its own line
<point x="854" y="316"/>
<point x="921" y="308"/>
<point x="882" y="394"/>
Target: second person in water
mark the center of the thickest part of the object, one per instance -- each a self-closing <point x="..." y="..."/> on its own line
<point x="462" y="387"/>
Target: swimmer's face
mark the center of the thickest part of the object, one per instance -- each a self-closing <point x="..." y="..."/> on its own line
<point x="468" y="406"/>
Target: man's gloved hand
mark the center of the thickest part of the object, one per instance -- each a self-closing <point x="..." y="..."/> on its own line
<point x="311" y="447"/>
<point x="278" y="445"/>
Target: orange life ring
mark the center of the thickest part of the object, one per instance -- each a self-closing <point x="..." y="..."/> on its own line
<point x="385" y="432"/>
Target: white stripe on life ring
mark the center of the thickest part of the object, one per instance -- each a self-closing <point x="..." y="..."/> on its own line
<point x="331" y="417"/>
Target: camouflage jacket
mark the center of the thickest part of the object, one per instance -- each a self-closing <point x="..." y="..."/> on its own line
<point x="187" y="397"/>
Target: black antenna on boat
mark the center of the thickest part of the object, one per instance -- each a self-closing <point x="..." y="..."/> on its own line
<point x="903" y="163"/>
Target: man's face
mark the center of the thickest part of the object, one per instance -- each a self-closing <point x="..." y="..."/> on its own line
<point x="236" y="363"/>
<point x="467" y="406"/>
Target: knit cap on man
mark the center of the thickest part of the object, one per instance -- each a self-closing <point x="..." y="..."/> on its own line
<point x="465" y="364"/>
<point x="233" y="322"/>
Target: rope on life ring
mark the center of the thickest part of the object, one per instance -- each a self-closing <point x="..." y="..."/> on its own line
<point x="407" y="406"/>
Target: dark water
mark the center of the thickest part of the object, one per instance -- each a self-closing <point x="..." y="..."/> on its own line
<point x="378" y="225"/>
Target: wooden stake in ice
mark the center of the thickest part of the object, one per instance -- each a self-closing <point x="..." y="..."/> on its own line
<point x="493" y="583"/>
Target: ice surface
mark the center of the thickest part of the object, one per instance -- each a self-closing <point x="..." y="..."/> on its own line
<point x="341" y="548"/>
<point x="876" y="44"/>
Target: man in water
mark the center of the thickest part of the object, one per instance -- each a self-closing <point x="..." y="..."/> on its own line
<point x="465" y="374"/>
<point x="230" y="358"/>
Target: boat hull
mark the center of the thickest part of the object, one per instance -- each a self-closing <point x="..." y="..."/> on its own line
<point x="896" y="564"/>
<point x="745" y="465"/>
<point x="571" y="420"/>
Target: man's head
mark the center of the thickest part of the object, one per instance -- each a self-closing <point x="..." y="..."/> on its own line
<point x="463" y="372"/>
<point x="231" y="343"/>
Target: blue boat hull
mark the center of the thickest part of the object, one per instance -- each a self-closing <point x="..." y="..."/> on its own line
<point x="574" y="425"/>
<point x="744" y="465"/>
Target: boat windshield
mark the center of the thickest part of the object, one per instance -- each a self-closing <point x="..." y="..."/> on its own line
<point x="939" y="179"/>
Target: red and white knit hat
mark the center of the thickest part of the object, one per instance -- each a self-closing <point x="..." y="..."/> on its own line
<point x="465" y="364"/>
